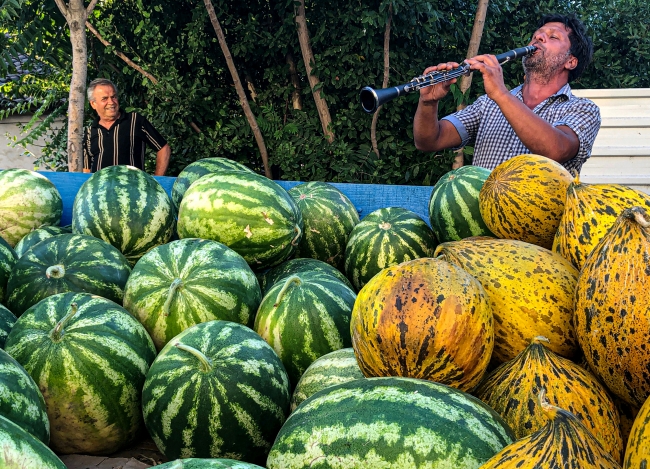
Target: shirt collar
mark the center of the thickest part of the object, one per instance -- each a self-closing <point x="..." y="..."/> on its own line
<point x="123" y="116"/>
<point x="564" y="91"/>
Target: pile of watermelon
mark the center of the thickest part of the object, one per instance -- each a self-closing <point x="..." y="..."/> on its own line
<point x="237" y="324"/>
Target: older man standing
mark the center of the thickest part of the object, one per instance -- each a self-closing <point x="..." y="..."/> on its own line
<point x="117" y="137"/>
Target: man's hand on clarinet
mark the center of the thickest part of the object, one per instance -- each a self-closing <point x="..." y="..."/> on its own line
<point x="492" y="73"/>
<point x="431" y="94"/>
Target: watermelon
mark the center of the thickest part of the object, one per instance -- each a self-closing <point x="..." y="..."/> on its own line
<point x="21" y="450"/>
<point x="7" y="321"/>
<point x="216" y="390"/>
<point x="295" y="266"/>
<point x="28" y="200"/>
<point x="328" y="216"/>
<point x="200" y="168"/>
<point x="386" y="237"/>
<point x="305" y="316"/>
<point x="38" y="235"/>
<point x="339" y="366"/>
<point x="20" y="400"/>
<point x="206" y="463"/>
<point x="89" y="357"/>
<point x="245" y="211"/>
<point x="67" y="263"/>
<point x="8" y="259"/>
<point x="186" y="282"/>
<point x="389" y="423"/>
<point x="454" y="207"/>
<point x="125" y="207"/>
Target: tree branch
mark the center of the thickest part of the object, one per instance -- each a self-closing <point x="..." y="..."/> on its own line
<point x="129" y="62"/>
<point x="63" y="7"/>
<point x="308" y="58"/>
<point x="91" y="7"/>
<point x="243" y="100"/>
<point x="375" y="117"/>
<point x="472" y="50"/>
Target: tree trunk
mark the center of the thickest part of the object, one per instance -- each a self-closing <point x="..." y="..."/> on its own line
<point x="375" y="118"/>
<point x="238" y="86"/>
<point x="295" y="95"/>
<point x="472" y="50"/>
<point x="75" y="15"/>
<point x="308" y="58"/>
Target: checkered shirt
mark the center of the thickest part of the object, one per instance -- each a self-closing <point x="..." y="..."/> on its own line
<point x="483" y="125"/>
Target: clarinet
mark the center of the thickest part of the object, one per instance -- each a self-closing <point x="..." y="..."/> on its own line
<point x="371" y="99"/>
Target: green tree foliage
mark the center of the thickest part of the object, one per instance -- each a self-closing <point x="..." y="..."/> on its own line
<point x="173" y="40"/>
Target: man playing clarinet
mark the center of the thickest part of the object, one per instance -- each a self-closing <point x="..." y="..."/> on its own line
<point x="541" y="116"/>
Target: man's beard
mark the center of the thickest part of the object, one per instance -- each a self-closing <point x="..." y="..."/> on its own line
<point x="542" y="68"/>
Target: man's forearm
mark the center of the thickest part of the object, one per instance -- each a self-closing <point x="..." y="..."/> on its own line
<point x="538" y="135"/>
<point x="426" y="127"/>
<point x="162" y="160"/>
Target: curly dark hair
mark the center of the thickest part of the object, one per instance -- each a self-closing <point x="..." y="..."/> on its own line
<point x="582" y="48"/>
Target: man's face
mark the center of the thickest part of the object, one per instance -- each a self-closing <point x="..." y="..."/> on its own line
<point x="553" y="50"/>
<point x="105" y="103"/>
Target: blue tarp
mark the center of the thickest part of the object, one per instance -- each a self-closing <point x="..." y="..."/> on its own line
<point x="366" y="197"/>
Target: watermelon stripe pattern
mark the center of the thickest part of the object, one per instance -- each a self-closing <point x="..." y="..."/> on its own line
<point x="28" y="200"/>
<point x="386" y="237"/>
<point x="231" y="408"/>
<point x="22" y="450"/>
<point x="92" y="376"/>
<point x="125" y="207"/>
<point x="454" y="210"/>
<point x="36" y="236"/>
<point x="329" y="217"/>
<point x="187" y="282"/>
<point x="304" y="317"/>
<point x="389" y="423"/>
<point x="8" y="259"/>
<point x="20" y="400"/>
<point x="296" y="266"/>
<point x="205" y="463"/>
<point x="67" y="263"/>
<point x="245" y="211"/>
<point x="329" y="370"/>
<point x="198" y="169"/>
<point x="7" y="321"/>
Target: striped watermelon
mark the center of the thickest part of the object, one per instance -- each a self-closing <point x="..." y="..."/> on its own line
<point x="7" y="321"/>
<point x="454" y="208"/>
<point x="245" y="211"/>
<point x="200" y="168"/>
<point x="389" y="423"/>
<point x="89" y="357"/>
<point x="296" y="266"/>
<point x="186" y="282"/>
<point x="339" y="366"/>
<point x="216" y="390"/>
<point x="8" y="259"/>
<point x="28" y="200"/>
<point x="20" y="450"/>
<point x="38" y="235"/>
<point x="386" y="237"/>
<point x="20" y="400"/>
<point x="67" y="263"/>
<point x="198" y="463"/>
<point x="125" y="207"/>
<point x="329" y="217"/>
<point x="305" y="316"/>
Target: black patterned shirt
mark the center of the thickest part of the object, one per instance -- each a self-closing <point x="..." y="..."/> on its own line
<point x="124" y="143"/>
<point x="483" y="125"/>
